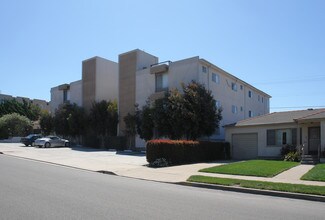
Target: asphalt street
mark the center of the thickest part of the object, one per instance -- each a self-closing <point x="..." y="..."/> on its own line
<point x="35" y="190"/>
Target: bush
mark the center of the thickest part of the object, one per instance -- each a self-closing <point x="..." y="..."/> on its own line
<point x="292" y="156"/>
<point x="288" y="149"/>
<point x="14" y="125"/>
<point x="184" y="152"/>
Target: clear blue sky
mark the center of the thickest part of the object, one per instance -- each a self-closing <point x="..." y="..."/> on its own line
<point x="277" y="46"/>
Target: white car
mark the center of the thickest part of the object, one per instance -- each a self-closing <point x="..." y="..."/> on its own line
<point x="51" y="141"/>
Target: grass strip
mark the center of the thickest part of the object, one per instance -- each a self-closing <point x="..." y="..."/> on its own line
<point x="261" y="168"/>
<point x="284" y="187"/>
<point x="317" y="173"/>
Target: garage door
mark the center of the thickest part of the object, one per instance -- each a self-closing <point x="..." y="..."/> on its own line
<point x="244" y="146"/>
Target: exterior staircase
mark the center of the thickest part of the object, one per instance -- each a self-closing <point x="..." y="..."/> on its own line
<point x="309" y="159"/>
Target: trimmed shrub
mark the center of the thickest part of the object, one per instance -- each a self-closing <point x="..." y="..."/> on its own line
<point x="184" y="152"/>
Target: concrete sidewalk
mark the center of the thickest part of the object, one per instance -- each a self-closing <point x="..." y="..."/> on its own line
<point x="135" y="165"/>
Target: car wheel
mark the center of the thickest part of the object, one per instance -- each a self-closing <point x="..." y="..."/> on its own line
<point x="67" y="144"/>
<point x="26" y="145"/>
<point x="47" y="145"/>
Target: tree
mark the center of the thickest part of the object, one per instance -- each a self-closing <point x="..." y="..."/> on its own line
<point x="69" y="120"/>
<point x="145" y="122"/>
<point x="25" y="108"/>
<point x="46" y="123"/>
<point x="191" y="114"/>
<point x="202" y="115"/>
<point x="130" y="127"/>
<point x="104" y="118"/>
<point x="14" y="125"/>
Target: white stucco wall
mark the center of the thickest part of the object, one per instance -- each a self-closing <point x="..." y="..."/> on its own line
<point x="263" y="149"/>
<point x="106" y="80"/>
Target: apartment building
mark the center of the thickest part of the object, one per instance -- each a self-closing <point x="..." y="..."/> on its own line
<point x="139" y="75"/>
<point x="146" y="78"/>
<point x="99" y="82"/>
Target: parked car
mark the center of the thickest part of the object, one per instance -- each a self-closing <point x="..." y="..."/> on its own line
<point x="29" y="140"/>
<point x="51" y="141"/>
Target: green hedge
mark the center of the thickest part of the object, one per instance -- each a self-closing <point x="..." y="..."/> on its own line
<point x="183" y="152"/>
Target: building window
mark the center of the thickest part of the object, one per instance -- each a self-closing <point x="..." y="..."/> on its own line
<point x="204" y="69"/>
<point x="66" y="95"/>
<point x="262" y="99"/>
<point x="258" y="97"/>
<point x="234" y="109"/>
<point x="250" y="94"/>
<point x="234" y="86"/>
<point x="250" y="114"/>
<point x="161" y="82"/>
<point x="215" y="77"/>
<point x="241" y="108"/>
<point x="241" y="87"/>
<point x="279" y="137"/>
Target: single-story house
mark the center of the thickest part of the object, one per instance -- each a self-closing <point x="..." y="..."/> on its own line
<point x="263" y="136"/>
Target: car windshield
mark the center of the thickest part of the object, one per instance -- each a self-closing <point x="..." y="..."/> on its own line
<point x="31" y="135"/>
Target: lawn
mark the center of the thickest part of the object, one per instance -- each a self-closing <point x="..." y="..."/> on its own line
<point x="315" y="174"/>
<point x="285" y="187"/>
<point x="261" y="168"/>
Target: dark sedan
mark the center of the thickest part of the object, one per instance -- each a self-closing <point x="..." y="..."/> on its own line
<point x="30" y="139"/>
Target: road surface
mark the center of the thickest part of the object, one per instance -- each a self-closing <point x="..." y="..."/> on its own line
<point x="34" y="190"/>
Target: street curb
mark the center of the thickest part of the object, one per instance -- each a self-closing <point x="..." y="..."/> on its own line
<point x="200" y="185"/>
<point x="256" y="191"/>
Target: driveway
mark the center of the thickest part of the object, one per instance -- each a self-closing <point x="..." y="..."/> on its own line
<point x="102" y="160"/>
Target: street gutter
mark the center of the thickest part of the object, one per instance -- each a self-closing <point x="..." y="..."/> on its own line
<point x="308" y="197"/>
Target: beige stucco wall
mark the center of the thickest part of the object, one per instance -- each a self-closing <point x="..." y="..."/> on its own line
<point x="56" y="99"/>
<point x="74" y="95"/>
<point x="75" y="92"/>
<point x="106" y="87"/>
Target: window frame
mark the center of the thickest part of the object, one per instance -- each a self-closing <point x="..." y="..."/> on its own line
<point x="234" y="86"/>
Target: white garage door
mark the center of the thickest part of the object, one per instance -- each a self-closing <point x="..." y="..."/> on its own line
<point x="244" y="146"/>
